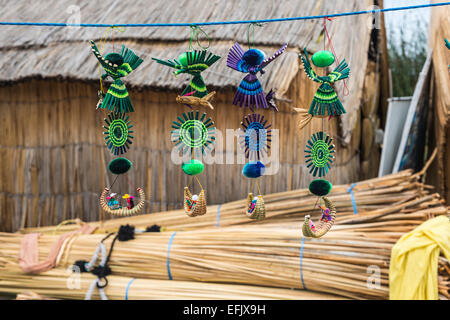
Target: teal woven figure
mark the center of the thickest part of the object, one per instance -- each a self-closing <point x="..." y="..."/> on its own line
<point x="193" y="63"/>
<point x="193" y="132"/>
<point x="117" y="134"/>
<point x="325" y="99"/>
<point x="117" y="66"/>
<point x="319" y="154"/>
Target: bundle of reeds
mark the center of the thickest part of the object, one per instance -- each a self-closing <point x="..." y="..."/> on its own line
<point x="58" y="284"/>
<point x="390" y="196"/>
<point x="352" y="260"/>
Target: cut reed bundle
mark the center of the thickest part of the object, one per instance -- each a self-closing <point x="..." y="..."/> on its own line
<point x="385" y="198"/>
<point x="54" y="284"/>
<point x="266" y="255"/>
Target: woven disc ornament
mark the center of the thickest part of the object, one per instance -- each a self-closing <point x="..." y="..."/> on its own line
<point x="117" y="134"/>
<point x="256" y="137"/>
<point x="319" y="153"/>
<point x="193" y="132"/>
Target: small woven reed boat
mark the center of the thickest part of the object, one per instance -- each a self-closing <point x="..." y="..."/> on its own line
<point x="123" y="211"/>
<point x="198" y="208"/>
<point x="256" y="211"/>
<point x="312" y="230"/>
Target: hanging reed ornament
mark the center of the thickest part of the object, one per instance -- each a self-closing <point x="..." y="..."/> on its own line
<point x="255" y="208"/>
<point x="193" y="134"/>
<point x="326" y="102"/>
<point x="250" y="93"/>
<point x="117" y="134"/>
<point x="326" y="221"/>
<point x="111" y="203"/>
<point x="193" y="63"/>
<point x="319" y="154"/>
<point x="116" y="66"/>
<point x="256" y="136"/>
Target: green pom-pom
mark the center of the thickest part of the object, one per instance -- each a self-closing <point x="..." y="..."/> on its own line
<point x="119" y="165"/>
<point x="183" y="59"/>
<point x="322" y="58"/>
<point x="193" y="167"/>
<point x="320" y="187"/>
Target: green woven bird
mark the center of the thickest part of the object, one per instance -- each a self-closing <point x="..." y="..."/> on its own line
<point x="193" y="63"/>
<point x="117" y="66"/>
<point x="325" y="99"/>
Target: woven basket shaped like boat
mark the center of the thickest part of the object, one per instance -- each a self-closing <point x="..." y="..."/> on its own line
<point x="123" y="211"/>
<point x="259" y="212"/>
<point x="199" y="208"/>
<point x="323" y="226"/>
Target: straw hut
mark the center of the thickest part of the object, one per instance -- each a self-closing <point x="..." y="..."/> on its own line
<point x="52" y="151"/>
<point x="439" y="173"/>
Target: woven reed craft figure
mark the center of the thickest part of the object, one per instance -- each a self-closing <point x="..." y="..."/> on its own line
<point x="326" y="102"/>
<point x="194" y="205"/>
<point x="255" y="207"/>
<point x="250" y="92"/>
<point x="312" y="230"/>
<point x="122" y="211"/>
<point x="116" y="66"/>
<point x="193" y="63"/>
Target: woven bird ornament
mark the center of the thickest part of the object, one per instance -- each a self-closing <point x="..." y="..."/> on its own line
<point x="116" y="66"/>
<point x="250" y="93"/>
<point x="325" y="102"/>
<point x="193" y="63"/>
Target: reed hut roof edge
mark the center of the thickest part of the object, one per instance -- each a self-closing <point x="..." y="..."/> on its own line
<point x="57" y="52"/>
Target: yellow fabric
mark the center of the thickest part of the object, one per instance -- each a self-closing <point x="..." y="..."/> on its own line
<point x="414" y="261"/>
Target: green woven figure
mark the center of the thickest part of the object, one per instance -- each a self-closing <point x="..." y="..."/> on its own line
<point x="326" y="101"/>
<point x="193" y="63"/>
<point x="117" y="66"/>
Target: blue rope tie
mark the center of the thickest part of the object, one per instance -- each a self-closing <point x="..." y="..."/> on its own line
<point x="353" y="197"/>
<point x="168" y="255"/>
<point x="128" y="287"/>
<point x="301" y="263"/>
<point x="104" y="25"/>
<point x="218" y="215"/>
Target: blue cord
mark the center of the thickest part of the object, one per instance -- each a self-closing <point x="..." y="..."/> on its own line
<point x="218" y="215"/>
<point x="168" y="255"/>
<point x="353" y="197"/>
<point x="128" y="287"/>
<point x="104" y="25"/>
<point x="301" y="263"/>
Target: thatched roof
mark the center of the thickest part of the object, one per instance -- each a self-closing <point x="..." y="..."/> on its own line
<point x="53" y="52"/>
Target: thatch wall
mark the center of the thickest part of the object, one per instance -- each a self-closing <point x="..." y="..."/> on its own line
<point x="439" y="173"/>
<point x="52" y="152"/>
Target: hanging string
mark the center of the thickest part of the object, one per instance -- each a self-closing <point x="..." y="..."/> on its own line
<point x="113" y="182"/>
<point x="185" y="24"/>
<point x="253" y="24"/>
<point x="345" y="90"/>
<point x="199" y="182"/>
<point x="259" y="190"/>
<point x="195" y="32"/>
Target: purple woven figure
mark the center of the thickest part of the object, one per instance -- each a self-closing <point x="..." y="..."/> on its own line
<point x="250" y="93"/>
